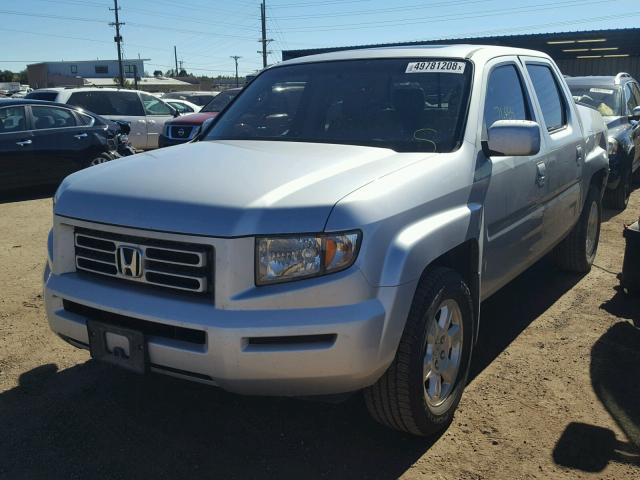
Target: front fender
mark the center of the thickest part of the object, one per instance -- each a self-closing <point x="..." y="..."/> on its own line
<point x="418" y="244"/>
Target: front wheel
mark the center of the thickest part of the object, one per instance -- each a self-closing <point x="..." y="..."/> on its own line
<point x="618" y="198"/>
<point x="102" y="158"/>
<point x="577" y="252"/>
<point x="422" y="387"/>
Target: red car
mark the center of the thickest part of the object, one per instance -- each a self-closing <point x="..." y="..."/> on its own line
<point x="185" y="127"/>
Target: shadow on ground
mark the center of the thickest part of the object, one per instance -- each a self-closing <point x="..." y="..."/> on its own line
<point x="28" y="193"/>
<point x="615" y="376"/>
<point x="95" y="421"/>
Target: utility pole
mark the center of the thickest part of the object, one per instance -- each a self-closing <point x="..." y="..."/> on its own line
<point x="118" y="40"/>
<point x="236" y="58"/>
<point x="181" y="62"/>
<point x="264" y="40"/>
<point x="175" y="55"/>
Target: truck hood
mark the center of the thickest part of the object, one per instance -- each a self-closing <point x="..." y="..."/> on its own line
<point x="192" y="118"/>
<point x="226" y="188"/>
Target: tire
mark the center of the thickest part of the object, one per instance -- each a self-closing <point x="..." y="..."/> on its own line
<point x="400" y="399"/>
<point x="577" y="251"/>
<point x="102" y="158"/>
<point x="618" y="198"/>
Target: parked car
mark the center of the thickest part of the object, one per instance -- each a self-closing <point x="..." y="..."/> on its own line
<point x="183" y="106"/>
<point x="42" y="142"/>
<point x="197" y="97"/>
<point x="617" y="98"/>
<point x="339" y="237"/>
<point x="146" y="113"/>
<point x="186" y="127"/>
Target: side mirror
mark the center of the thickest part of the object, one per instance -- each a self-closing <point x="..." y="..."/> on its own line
<point x="175" y="113"/>
<point x="513" y="138"/>
<point x="635" y="115"/>
<point x="205" y="125"/>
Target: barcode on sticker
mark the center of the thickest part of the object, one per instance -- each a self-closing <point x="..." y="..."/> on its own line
<point x="436" y="66"/>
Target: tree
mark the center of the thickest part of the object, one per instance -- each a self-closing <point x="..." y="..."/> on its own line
<point x="183" y="73"/>
<point x="157" y="73"/>
<point x="6" y="76"/>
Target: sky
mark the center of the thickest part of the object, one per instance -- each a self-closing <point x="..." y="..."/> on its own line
<point x="207" y="32"/>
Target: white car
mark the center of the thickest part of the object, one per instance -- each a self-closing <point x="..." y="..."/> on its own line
<point x="183" y="106"/>
<point x="146" y="113"/>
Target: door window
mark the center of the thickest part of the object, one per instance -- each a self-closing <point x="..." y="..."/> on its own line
<point x="126" y="104"/>
<point x="12" y="119"/>
<point x="629" y="98"/>
<point x="505" y="96"/>
<point x="155" y="106"/>
<point x="549" y="96"/>
<point x="636" y="92"/>
<point x="181" y="107"/>
<point x="52" y="117"/>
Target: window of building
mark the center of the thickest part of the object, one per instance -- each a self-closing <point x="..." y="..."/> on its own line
<point x="102" y="68"/>
<point x="549" y="97"/>
<point x="74" y="69"/>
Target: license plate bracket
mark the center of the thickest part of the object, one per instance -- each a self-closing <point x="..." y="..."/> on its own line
<point x="135" y="359"/>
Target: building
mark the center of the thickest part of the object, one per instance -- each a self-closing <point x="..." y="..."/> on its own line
<point x="593" y="52"/>
<point x="68" y="74"/>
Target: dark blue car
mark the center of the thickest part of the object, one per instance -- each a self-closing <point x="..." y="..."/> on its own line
<point x="617" y="98"/>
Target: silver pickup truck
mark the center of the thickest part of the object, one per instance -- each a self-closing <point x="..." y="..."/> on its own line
<point x="335" y="229"/>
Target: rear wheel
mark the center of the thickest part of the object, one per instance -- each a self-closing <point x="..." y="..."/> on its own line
<point x="421" y="389"/>
<point x="618" y="198"/>
<point x="102" y="158"/>
<point x="577" y="252"/>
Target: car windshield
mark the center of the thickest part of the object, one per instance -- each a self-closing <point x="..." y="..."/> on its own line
<point x="219" y="101"/>
<point x="605" y="99"/>
<point x="403" y="104"/>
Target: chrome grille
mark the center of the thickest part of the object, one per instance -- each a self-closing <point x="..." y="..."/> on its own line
<point x="175" y="265"/>
<point x="181" y="132"/>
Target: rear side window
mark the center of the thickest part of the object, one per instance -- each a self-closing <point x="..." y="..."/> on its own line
<point x="505" y="96"/>
<point x="12" y="119"/>
<point x="200" y="100"/>
<point x="85" y="120"/>
<point x="52" y="117"/>
<point x="108" y="103"/>
<point x="48" y="96"/>
<point x="549" y="97"/>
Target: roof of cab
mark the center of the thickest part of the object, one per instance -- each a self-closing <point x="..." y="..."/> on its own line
<point x="463" y="51"/>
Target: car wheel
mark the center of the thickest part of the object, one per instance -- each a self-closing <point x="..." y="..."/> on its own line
<point x="577" y="252"/>
<point x="421" y="389"/>
<point x="618" y="198"/>
<point x="102" y="158"/>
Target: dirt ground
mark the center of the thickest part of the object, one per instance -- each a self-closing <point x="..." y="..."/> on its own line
<point x="554" y="393"/>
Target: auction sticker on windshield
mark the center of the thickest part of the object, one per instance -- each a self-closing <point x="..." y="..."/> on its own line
<point x="436" y="66"/>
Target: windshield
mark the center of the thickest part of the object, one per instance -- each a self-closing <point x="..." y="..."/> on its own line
<point x="220" y="101"/>
<point x="403" y="104"/>
<point x="604" y="99"/>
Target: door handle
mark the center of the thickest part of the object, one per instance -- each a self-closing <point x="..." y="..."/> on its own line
<point x="541" y="177"/>
<point x="579" y="154"/>
<point x="142" y="121"/>
<point x="24" y="142"/>
<point x="80" y="135"/>
<point x="152" y="122"/>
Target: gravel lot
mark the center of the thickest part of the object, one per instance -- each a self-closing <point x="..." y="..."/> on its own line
<point x="554" y="393"/>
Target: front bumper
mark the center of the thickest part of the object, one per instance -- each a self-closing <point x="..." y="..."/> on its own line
<point x="164" y="141"/>
<point x="317" y="341"/>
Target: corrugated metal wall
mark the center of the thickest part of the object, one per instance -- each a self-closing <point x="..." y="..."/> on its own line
<point x="600" y="66"/>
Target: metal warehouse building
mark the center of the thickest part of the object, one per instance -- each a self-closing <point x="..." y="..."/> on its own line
<point x="593" y="52"/>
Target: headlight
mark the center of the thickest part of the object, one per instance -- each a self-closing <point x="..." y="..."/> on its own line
<point x="293" y="257"/>
<point x="612" y="146"/>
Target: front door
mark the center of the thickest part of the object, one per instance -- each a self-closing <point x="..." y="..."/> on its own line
<point x="157" y="112"/>
<point x="513" y="203"/>
<point x="17" y="168"/>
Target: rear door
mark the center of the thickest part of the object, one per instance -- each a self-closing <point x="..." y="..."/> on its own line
<point x="513" y="211"/>
<point x="63" y="141"/>
<point x="566" y="146"/>
<point x="17" y="168"/>
<point x="157" y="113"/>
<point x="116" y="105"/>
